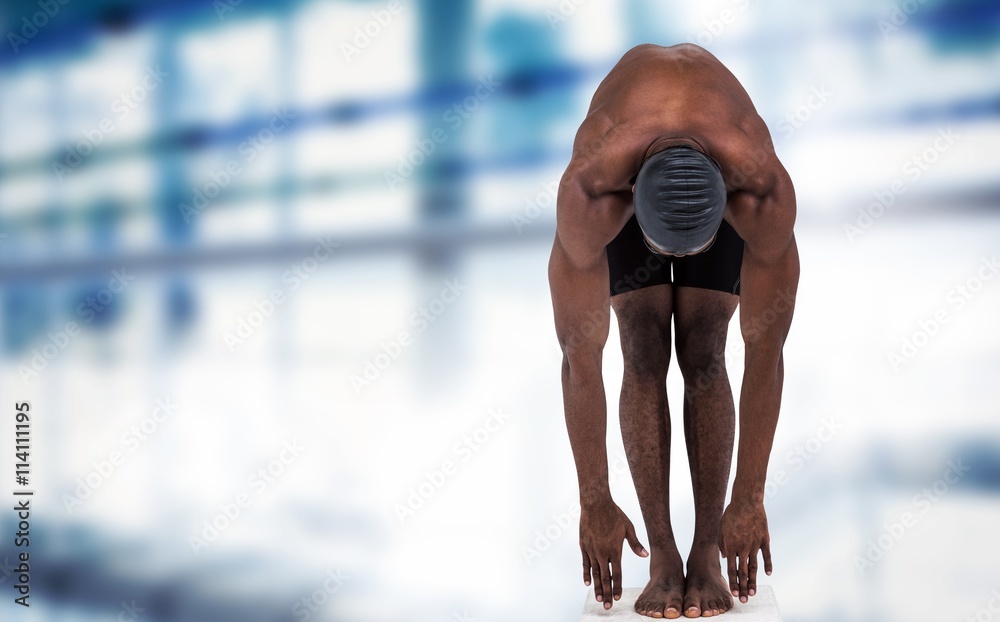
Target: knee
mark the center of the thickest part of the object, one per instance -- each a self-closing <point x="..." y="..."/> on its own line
<point x="647" y="355"/>
<point x="702" y="359"/>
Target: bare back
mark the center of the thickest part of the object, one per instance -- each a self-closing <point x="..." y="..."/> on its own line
<point x="657" y="97"/>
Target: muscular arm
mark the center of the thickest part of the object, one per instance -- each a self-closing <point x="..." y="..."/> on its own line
<point x="578" y="277"/>
<point x="769" y="281"/>
<point x="592" y="206"/>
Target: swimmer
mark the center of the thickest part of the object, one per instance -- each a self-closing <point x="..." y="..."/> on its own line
<point x="673" y="211"/>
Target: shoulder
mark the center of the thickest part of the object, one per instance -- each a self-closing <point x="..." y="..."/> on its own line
<point x="606" y="154"/>
<point x="587" y="218"/>
<point x="765" y="215"/>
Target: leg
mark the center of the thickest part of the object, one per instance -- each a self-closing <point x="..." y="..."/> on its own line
<point x="701" y="318"/>
<point x="644" y="323"/>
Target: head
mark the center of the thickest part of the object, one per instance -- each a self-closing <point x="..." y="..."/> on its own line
<point x="679" y="199"/>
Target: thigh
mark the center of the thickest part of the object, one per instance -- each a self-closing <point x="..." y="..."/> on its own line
<point x="718" y="268"/>
<point x="644" y="320"/>
<point x="701" y="322"/>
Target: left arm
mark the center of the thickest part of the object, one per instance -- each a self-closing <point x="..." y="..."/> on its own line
<point x="769" y="281"/>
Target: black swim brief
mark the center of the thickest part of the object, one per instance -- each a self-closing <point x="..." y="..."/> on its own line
<point x="633" y="266"/>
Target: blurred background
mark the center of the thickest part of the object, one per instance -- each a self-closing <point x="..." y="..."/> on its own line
<point x="273" y="278"/>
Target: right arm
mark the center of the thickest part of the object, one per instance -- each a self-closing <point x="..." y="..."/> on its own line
<point x="578" y="279"/>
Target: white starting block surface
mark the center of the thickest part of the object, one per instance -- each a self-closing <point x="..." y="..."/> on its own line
<point x="762" y="607"/>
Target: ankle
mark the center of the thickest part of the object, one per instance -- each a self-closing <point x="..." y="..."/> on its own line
<point x="664" y="555"/>
<point x="702" y="554"/>
<point x="667" y="572"/>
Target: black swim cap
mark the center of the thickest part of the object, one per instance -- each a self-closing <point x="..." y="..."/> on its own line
<point x="679" y="199"/>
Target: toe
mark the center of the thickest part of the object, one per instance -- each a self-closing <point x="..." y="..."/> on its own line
<point x="725" y="604"/>
<point x="692" y="608"/>
<point x="673" y="607"/>
<point x="649" y="608"/>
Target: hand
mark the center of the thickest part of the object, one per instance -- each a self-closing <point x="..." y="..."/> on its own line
<point x="602" y="528"/>
<point x="742" y="534"/>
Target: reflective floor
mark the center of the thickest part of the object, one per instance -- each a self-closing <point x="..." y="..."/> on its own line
<point x="443" y="484"/>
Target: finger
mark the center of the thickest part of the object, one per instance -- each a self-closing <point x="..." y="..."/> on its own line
<point x="616" y="577"/>
<point x="752" y="574"/>
<point x="606" y="583"/>
<point x="598" y="585"/>
<point x="743" y="577"/>
<point x="586" y="568"/>
<point x="633" y="541"/>
<point x="766" y="551"/>
<point x="734" y="584"/>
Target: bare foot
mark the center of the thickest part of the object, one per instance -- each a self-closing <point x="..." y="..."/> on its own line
<point x="664" y="593"/>
<point x="706" y="592"/>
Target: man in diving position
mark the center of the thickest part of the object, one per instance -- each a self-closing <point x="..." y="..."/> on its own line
<point x="673" y="210"/>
